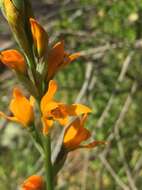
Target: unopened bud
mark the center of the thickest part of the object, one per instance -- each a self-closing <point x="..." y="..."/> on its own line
<point x="40" y="38"/>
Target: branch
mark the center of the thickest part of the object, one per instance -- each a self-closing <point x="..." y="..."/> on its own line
<point x="113" y="173"/>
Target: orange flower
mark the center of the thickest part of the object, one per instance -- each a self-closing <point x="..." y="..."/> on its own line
<point x="34" y="182"/>
<point x="58" y="58"/>
<point x="14" y="60"/>
<point x="21" y="108"/>
<point x="40" y="38"/>
<point x="76" y="134"/>
<point x="53" y="110"/>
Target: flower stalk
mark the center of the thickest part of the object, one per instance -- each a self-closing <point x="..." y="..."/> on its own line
<point x="48" y="163"/>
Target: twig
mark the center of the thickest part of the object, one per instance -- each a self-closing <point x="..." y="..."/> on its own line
<point x="111" y="99"/>
<point x="85" y="173"/>
<point x="113" y="173"/>
<point x="137" y="168"/>
<point x="117" y="136"/>
<point x="120" y="119"/>
<point x="112" y="136"/>
<point x="88" y="73"/>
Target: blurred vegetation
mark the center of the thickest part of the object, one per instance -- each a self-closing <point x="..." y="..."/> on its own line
<point x="107" y="77"/>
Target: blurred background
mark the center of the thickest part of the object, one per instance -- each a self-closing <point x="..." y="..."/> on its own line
<point x="107" y="77"/>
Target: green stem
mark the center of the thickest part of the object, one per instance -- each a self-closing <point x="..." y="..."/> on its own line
<point x="48" y="164"/>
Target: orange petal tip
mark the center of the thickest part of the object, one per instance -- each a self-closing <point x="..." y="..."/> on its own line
<point x="34" y="182"/>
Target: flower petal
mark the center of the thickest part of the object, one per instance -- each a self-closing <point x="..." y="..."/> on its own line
<point x="49" y="107"/>
<point x="11" y="118"/>
<point x="77" y="109"/>
<point x="47" y="124"/>
<point x="75" y="134"/>
<point x="69" y="58"/>
<point x="71" y="131"/>
<point x="56" y="57"/>
<point x="34" y="182"/>
<point x="93" y="144"/>
<point x="52" y="88"/>
<point x="74" y="56"/>
<point x="21" y="108"/>
<point x="14" y="60"/>
<point x="63" y="121"/>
